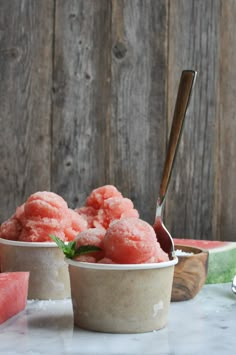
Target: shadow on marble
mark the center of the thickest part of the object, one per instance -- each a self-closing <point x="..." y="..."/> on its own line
<point x="19" y="321"/>
<point x="55" y="322"/>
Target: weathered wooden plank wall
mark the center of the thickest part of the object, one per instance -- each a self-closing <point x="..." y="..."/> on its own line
<point x="87" y="92"/>
<point x="138" y="124"/>
<point x="25" y="104"/>
<point x="202" y="198"/>
<point x="225" y="147"/>
<point x="104" y="90"/>
<point x="81" y="98"/>
<point x="193" y="43"/>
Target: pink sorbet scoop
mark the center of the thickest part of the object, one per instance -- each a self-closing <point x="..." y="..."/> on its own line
<point x="132" y="241"/>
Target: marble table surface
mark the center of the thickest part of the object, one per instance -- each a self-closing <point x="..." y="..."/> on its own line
<point x="203" y="325"/>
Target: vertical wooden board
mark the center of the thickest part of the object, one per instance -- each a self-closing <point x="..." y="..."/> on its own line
<point x="25" y="79"/>
<point x="225" y="200"/>
<point x="81" y="97"/>
<point x="193" y="44"/>
<point x="138" y="125"/>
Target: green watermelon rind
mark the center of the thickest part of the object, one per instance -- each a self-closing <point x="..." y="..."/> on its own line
<point x="221" y="266"/>
<point x="221" y="261"/>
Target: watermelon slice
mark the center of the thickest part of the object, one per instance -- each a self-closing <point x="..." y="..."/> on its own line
<point x="13" y="293"/>
<point x="222" y="258"/>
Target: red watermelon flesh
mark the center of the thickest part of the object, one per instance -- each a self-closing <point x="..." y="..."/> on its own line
<point x="13" y="293"/>
<point x="222" y="258"/>
<point x="203" y="244"/>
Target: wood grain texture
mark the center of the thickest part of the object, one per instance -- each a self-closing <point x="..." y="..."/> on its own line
<point x="87" y="92"/>
<point x="81" y="97"/>
<point x="138" y="124"/>
<point x="225" y="146"/>
<point x="190" y="273"/>
<point x="25" y="79"/>
<point x="193" y="43"/>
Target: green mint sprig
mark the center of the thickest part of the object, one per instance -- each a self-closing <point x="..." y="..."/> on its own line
<point x="70" y="250"/>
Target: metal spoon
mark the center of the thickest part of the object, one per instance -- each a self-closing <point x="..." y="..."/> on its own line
<point x="186" y="84"/>
<point x="234" y="284"/>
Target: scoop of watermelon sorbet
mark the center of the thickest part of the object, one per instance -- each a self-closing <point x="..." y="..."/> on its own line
<point x="132" y="241"/>
<point x="94" y="237"/>
<point x="105" y="205"/>
<point x="42" y="214"/>
<point x="99" y="195"/>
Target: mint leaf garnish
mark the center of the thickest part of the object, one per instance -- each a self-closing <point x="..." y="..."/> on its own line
<point x="85" y="249"/>
<point x="70" y="250"/>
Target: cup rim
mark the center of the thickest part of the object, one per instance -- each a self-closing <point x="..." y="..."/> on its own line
<point x="16" y="243"/>
<point x="100" y="266"/>
<point x="194" y="250"/>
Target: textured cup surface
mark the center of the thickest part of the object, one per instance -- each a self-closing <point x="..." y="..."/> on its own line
<point x="121" y="298"/>
<point x="49" y="278"/>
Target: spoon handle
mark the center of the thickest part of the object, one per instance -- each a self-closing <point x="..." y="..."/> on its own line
<point x="183" y="97"/>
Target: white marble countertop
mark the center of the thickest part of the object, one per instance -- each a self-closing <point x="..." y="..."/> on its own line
<point x="205" y="324"/>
